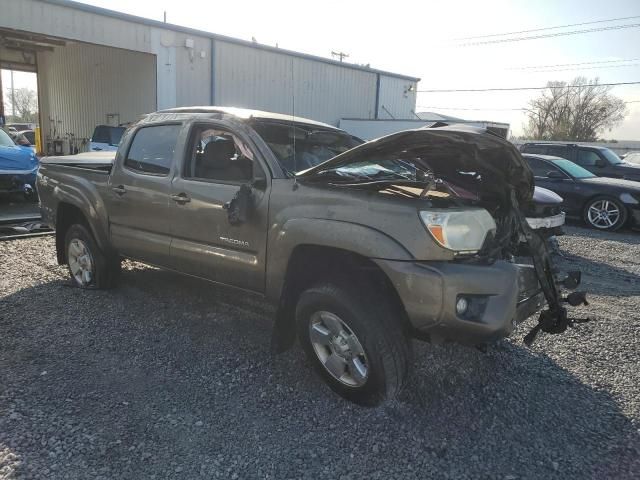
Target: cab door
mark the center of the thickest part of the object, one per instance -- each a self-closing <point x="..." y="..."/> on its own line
<point x="218" y="160"/>
<point x="139" y="189"/>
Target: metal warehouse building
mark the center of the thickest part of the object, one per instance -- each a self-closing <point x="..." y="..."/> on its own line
<point x="98" y="66"/>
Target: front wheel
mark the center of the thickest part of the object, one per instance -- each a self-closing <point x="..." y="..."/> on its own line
<point x="354" y="342"/>
<point x="89" y="267"/>
<point x="605" y="213"/>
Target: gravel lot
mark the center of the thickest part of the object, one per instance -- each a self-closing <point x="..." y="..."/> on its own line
<point x="168" y="377"/>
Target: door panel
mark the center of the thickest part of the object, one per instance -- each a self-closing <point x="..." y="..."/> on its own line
<point x="139" y="188"/>
<point x="204" y="242"/>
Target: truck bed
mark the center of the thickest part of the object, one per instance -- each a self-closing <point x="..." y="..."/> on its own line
<point x="89" y="160"/>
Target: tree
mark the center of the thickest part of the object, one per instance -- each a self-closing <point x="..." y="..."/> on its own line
<point x="580" y="113"/>
<point x="25" y="102"/>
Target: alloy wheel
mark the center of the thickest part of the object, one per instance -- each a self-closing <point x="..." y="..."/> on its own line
<point x="80" y="262"/>
<point x="338" y="349"/>
<point x="603" y="214"/>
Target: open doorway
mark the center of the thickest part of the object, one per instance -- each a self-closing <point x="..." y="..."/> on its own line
<point x="20" y="102"/>
<point x="18" y="163"/>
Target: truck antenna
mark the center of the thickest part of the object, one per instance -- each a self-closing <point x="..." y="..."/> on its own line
<point x="293" y="128"/>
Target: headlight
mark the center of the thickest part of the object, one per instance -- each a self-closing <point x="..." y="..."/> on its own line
<point x="462" y="231"/>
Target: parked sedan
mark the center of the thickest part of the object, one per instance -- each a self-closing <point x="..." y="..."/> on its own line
<point x="603" y="203"/>
<point x="18" y="167"/>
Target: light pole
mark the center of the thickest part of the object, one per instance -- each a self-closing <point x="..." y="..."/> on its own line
<point x="13" y="99"/>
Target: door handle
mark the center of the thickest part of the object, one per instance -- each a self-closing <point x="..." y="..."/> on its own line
<point x="120" y="190"/>
<point x="180" y="198"/>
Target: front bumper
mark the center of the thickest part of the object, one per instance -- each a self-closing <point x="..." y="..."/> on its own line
<point x="500" y="296"/>
<point x="16" y="181"/>
<point x="546" y="222"/>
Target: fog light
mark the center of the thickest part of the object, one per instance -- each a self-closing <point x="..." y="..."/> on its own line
<point x="461" y="305"/>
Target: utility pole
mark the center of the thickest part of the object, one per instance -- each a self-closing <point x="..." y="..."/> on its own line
<point x="13" y="99"/>
<point x="340" y="55"/>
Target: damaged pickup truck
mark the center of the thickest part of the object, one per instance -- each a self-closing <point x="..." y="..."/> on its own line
<point x="361" y="246"/>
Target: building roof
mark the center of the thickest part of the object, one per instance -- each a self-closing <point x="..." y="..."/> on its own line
<point x="177" y="28"/>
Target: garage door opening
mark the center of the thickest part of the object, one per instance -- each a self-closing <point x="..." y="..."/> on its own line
<point x="78" y="86"/>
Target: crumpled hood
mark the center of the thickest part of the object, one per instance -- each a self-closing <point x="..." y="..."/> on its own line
<point x="451" y="152"/>
<point x="17" y="158"/>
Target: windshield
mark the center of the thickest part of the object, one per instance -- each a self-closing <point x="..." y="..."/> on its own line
<point x="379" y="169"/>
<point x="5" y="140"/>
<point x="575" y="171"/>
<point x="611" y="156"/>
<point x="313" y="145"/>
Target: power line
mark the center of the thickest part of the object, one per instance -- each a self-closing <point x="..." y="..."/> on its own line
<point x="584" y="68"/>
<point x="548" y="28"/>
<point x="549" y="35"/>
<point x="433" y="107"/>
<point x="507" y="89"/>
<point x="534" y="67"/>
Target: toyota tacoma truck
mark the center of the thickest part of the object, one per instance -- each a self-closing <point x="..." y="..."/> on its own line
<point x="361" y="246"/>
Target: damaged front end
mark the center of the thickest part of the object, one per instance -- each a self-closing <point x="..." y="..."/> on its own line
<point x="461" y="166"/>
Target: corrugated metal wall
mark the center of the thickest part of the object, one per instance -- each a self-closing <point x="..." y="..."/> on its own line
<point x="396" y="98"/>
<point x="80" y="83"/>
<point x="252" y="78"/>
<point x="246" y="75"/>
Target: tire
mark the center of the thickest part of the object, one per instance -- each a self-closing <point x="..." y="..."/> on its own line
<point x="97" y="270"/>
<point x="380" y="346"/>
<point x="615" y="213"/>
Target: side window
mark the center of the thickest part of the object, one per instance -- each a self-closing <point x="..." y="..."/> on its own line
<point x="559" y="151"/>
<point x="152" y="149"/>
<point x="218" y="155"/>
<point x="587" y="158"/>
<point x="539" y="167"/>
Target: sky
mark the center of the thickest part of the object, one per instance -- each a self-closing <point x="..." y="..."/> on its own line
<point x="420" y="38"/>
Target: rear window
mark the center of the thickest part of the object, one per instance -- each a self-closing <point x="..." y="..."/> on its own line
<point x="152" y="149"/>
<point x="106" y="134"/>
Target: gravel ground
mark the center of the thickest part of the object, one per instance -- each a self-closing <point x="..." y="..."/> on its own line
<point x="167" y="377"/>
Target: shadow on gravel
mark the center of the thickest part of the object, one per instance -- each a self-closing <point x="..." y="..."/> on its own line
<point x="171" y="377"/>
<point x="599" y="278"/>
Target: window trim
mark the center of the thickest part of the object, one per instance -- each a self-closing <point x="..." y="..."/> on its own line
<point x="189" y="152"/>
<point x="133" y="138"/>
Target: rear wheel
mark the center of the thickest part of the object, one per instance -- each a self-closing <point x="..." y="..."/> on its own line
<point x="605" y="213"/>
<point x="354" y="342"/>
<point x="89" y="267"/>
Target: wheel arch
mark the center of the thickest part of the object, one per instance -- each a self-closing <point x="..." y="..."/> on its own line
<point x="67" y="214"/>
<point x="310" y="264"/>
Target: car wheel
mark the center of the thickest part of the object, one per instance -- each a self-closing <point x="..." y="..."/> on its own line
<point x="89" y="267"/>
<point x="354" y="342"/>
<point x="605" y="213"/>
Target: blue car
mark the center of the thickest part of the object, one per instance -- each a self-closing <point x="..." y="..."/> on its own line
<point x="18" y="167"/>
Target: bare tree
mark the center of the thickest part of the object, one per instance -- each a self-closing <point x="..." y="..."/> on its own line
<point x="25" y="102"/>
<point x="581" y="113"/>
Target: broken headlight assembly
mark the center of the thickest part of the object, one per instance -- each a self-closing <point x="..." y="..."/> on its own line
<point x="461" y="231"/>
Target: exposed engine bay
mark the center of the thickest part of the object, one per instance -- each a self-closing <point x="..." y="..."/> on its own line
<point x="462" y="167"/>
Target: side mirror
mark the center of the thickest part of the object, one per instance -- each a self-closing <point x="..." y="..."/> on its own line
<point x="238" y="208"/>
<point x="600" y="163"/>
<point x="555" y="175"/>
